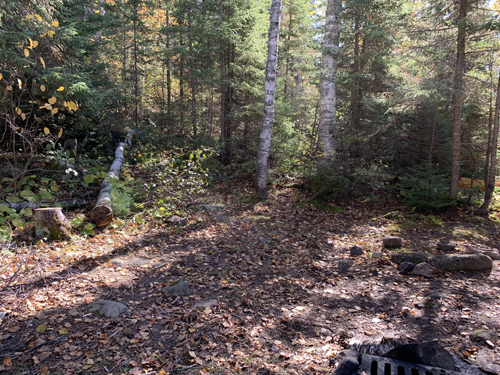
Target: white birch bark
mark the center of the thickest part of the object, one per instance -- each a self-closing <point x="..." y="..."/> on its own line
<point x="327" y="90"/>
<point x="270" y="85"/>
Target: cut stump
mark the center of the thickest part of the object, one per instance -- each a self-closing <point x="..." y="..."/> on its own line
<point x="51" y="223"/>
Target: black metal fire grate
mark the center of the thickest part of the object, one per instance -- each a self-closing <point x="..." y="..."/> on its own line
<point x="374" y="365"/>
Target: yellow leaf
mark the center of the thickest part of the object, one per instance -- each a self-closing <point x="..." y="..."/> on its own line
<point x="9" y="88"/>
<point x="35" y="43"/>
<point x="19" y="83"/>
<point x="29" y="16"/>
<point x="54" y="111"/>
<point x="97" y="10"/>
<point x="60" y="88"/>
<point x="39" y="18"/>
<point x="7" y="361"/>
<point x="18" y="111"/>
<point x="63" y="331"/>
<point x="23" y="116"/>
<point x="43" y="63"/>
<point x="51" y="33"/>
<point x="52" y="100"/>
<point x="46" y="131"/>
<point x="41" y="328"/>
<point x="47" y="106"/>
<point x="1" y="76"/>
<point x="31" y="44"/>
<point x="44" y="34"/>
<point x="42" y="87"/>
<point x="60" y="133"/>
<point x="55" y="24"/>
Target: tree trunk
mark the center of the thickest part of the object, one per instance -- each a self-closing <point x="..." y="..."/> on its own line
<point x="457" y="98"/>
<point x="490" y="183"/>
<point x="193" y="82"/>
<point x="102" y="213"/>
<point x="169" y="82"/>
<point x="51" y="223"/>
<point x="328" y="97"/>
<point x="270" y="87"/>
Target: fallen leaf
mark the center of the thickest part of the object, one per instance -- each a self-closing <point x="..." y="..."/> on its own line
<point x="7" y="361"/>
<point x="41" y="328"/>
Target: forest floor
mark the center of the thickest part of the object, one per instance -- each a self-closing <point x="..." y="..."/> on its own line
<point x="278" y="302"/>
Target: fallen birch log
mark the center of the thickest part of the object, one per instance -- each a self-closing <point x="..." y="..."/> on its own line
<point x="51" y="222"/>
<point x="102" y="214"/>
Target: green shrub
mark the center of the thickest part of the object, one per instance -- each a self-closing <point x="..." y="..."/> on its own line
<point x="426" y="190"/>
<point x="327" y="184"/>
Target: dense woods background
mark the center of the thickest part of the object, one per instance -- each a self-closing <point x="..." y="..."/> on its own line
<point x="416" y="90"/>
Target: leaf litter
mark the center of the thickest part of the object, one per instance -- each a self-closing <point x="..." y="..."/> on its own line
<point x="267" y="294"/>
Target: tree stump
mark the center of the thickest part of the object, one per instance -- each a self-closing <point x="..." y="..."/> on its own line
<point x="51" y="222"/>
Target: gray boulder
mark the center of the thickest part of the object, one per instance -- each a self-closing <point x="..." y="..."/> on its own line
<point x="377" y="254"/>
<point x="459" y="262"/>
<point x="414" y="257"/>
<point x="483" y="336"/>
<point x="178" y="288"/>
<point x="392" y="242"/>
<point x="426" y="353"/>
<point x="132" y="262"/>
<point x="348" y="362"/>
<point x="356" y="251"/>
<point x="109" y="309"/>
<point x="445" y="246"/>
<point x="176" y="220"/>
<point x="406" y="267"/>
<point x="422" y="269"/>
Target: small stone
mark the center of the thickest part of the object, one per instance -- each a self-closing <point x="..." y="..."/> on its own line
<point x="492" y="255"/>
<point x="345" y="264"/>
<point x="483" y="336"/>
<point x="377" y="254"/>
<point x="132" y="262"/>
<point x="109" y="309"/>
<point x="445" y="246"/>
<point x="422" y="269"/>
<point x="392" y="242"/>
<point x="205" y="304"/>
<point x="356" y="251"/>
<point x="406" y="267"/>
<point x="178" y="288"/>
<point x="177" y="220"/>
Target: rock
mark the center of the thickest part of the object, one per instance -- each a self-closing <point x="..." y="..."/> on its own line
<point x="348" y="362"/>
<point x="177" y="220"/>
<point x="406" y="267"/>
<point x="392" y="242"/>
<point x="377" y="254"/>
<point x="422" y="269"/>
<point x="51" y="223"/>
<point x="136" y="261"/>
<point x="459" y="262"/>
<point x="356" y="251"/>
<point x="483" y="336"/>
<point x="426" y="353"/>
<point x="110" y="309"/>
<point x="209" y="303"/>
<point x="345" y="264"/>
<point x="492" y="255"/>
<point x="178" y="288"/>
<point x="414" y="257"/>
<point x="445" y="246"/>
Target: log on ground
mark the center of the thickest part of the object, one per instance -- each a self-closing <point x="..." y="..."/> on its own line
<point x="51" y="223"/>
<point x="102" y="213"/>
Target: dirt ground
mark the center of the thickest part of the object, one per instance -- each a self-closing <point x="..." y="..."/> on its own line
<point x="281" y="305"/>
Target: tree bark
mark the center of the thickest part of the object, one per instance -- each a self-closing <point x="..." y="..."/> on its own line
<point x="193" y="82"/>
<point x="328" y="97"/>
<point x="51" y="223"/>
<point x="457" y="98"/>
<point x="102" y="213"/>
<point x="490" y="183"/>
<point x="270" y="88"/>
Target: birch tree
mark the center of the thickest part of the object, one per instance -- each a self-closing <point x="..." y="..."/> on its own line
<point x="328" y="97"/>
<point x="268" y="115"/>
